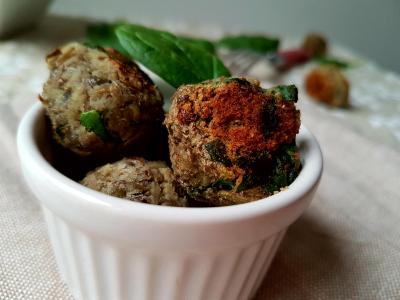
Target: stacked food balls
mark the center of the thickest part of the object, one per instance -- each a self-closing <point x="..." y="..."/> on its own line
<point x="230" y="140"/>
<point x="102" y="106"/>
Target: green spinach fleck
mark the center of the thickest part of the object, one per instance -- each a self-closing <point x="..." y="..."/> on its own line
<point x="93" y="122"/>
<point x="286" y="168"/>
<point x="217" y="151"/>
<point x="222" y="184"/>
<point x="288" y="92"/>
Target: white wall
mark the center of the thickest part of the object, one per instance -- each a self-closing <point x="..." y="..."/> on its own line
<point x="370" y="27"/>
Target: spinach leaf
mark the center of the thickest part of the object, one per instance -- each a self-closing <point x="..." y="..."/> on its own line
<point x="170" y="57"/>
<point x="256" y="43"/>
<point x="325" y="60"/>
<point x="93" y="122"/>
<point x="222" y="184"/>
<point x="103" y="35"/>
<point x="288" y="92"/>
<point x="201" y="43"/>
<point x="217" y="151"/>
<point x="287" y="167"/>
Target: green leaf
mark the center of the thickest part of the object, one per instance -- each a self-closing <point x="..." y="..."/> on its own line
<point x="325" y="60"/>
<point x="201" y="43"/>
<point x="286" y="168"/>
<point x="170" y="57"/>
<point x="256" y="43"/>
<point x="93" y="122"/>
<point x="217" y="151"/>
<point x="103" y="35"/>
<point x="288" y="92"/>
<point x="222" y="184"/>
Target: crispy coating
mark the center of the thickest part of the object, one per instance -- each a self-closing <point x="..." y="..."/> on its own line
<point x="327" y="84"/>
<point x="137" y="180"/>
<point x="223" y="134"/>
<point x="315" y="45"/>
<point x="127" y="103"/>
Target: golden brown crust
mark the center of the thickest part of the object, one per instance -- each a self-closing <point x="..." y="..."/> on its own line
<point x="235" y="113"/>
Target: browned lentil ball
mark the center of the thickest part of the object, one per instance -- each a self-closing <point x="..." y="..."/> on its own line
<point x="120" y="101"/>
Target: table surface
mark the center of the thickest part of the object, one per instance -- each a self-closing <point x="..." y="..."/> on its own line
<point x="345" y="246"/>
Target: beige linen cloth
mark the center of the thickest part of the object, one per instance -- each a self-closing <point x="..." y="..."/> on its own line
<point x="345" y="246"/>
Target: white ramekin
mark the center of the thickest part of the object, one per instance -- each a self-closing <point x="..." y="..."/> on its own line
<point x="16" y="15"/>
<point x="110" y="248"/>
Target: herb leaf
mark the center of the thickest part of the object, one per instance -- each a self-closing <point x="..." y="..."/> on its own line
<point x="222" y="184"/>
<point x="103" y="35"/>
<point x="201" y="43"/>
<point x="288" y="92"/>
<point x="286" y="168"/>
<point x="93" y="122"/>
<point x="174" y="59"/>
<point x="325" y="60"/>
<point x="217" y="151"/>
<point x="256" y="43"/>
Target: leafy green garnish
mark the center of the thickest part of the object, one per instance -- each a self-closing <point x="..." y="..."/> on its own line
<point x="93" y="122"/>
<point x="325" y="60"/>
<point x="170" y="57"/>
<point x="288" y="92"/>
<point x="103" y="35"/>
<point x="256" y="43"/>
<point x="222" y="184"/>
<point x="217" y="151"/>
<point x="286" y="168"/>
<point x="201" y="43"/>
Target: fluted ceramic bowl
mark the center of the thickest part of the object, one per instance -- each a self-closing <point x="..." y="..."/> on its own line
<point x="110" y="248"/>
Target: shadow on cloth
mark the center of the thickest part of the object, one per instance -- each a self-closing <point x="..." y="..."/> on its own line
<point x="309" y="259"/>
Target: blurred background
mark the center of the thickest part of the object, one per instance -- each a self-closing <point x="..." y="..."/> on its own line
<point x="368" y="27"/>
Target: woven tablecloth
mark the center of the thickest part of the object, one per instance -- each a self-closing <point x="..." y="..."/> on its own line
<point x="345" y="246"/>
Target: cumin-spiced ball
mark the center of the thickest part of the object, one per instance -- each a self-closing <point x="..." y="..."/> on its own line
<point x="99" y="102"/>
<point x="229" y="137"/>
<point x="137" y="180"/>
